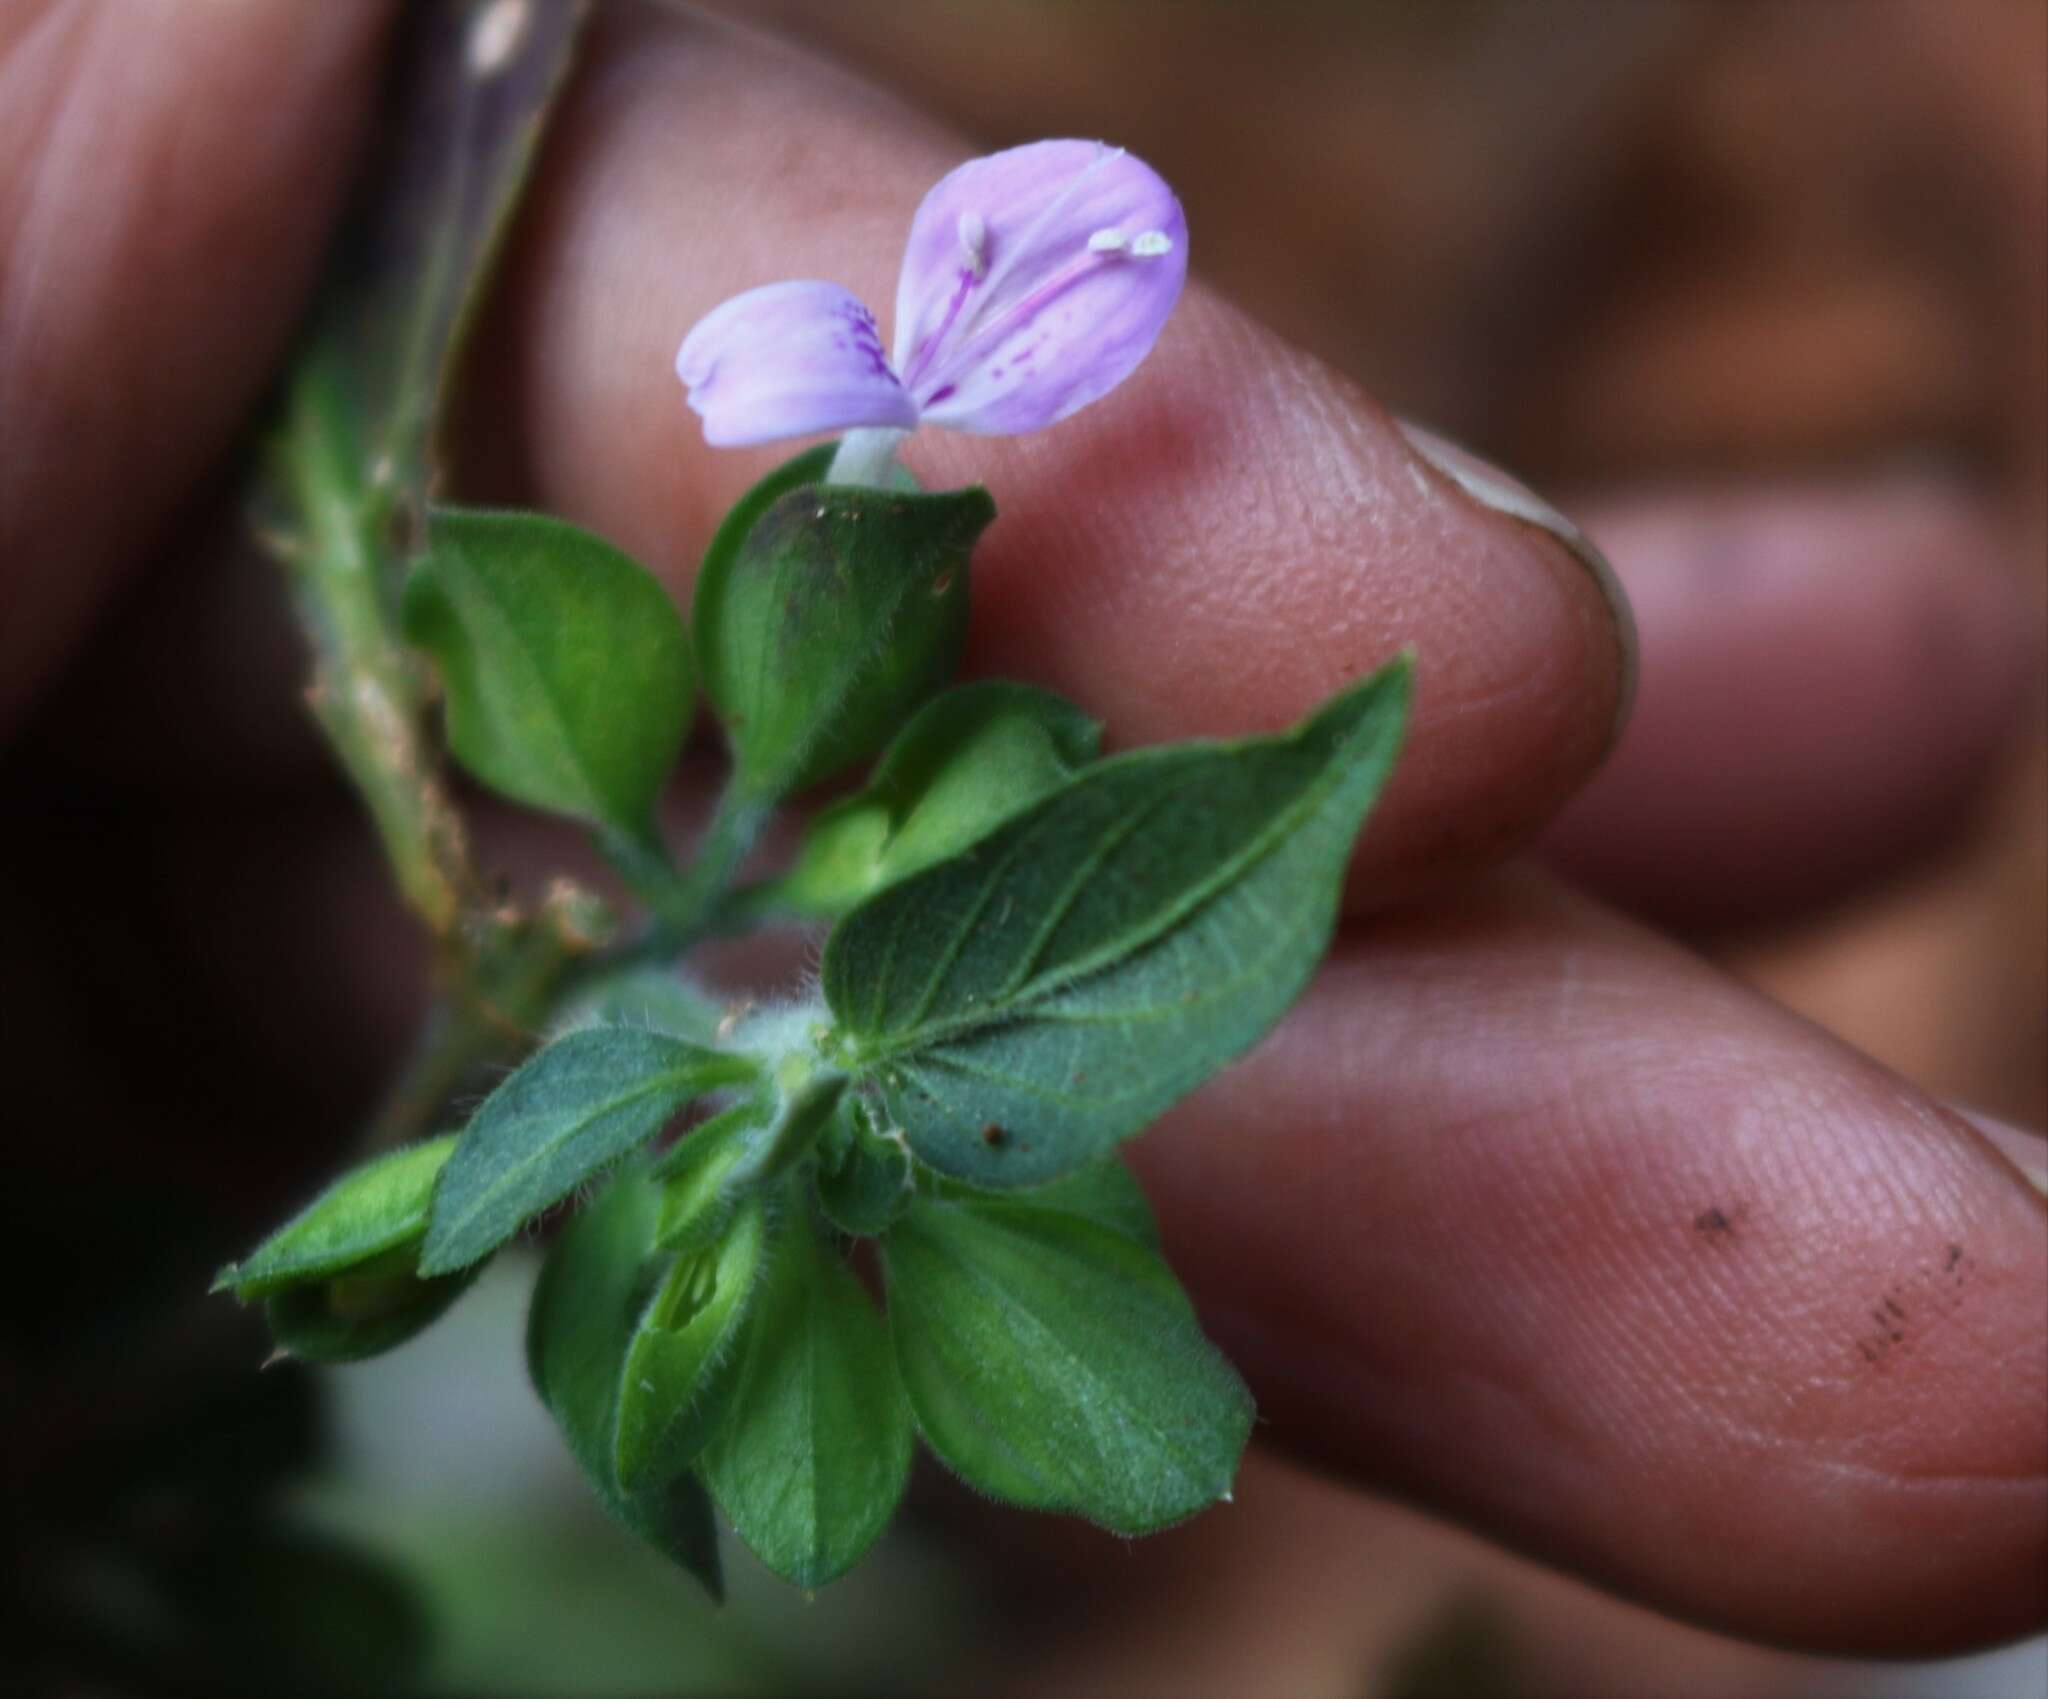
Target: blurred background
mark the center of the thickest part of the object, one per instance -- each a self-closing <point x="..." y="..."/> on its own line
<point x="1753" y="290"/>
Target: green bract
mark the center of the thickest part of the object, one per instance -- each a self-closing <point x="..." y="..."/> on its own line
<point x="340" y="1281"/>
<point x="1052" y="1360"/>
<point x="864" y="1178"/>
<point x="592" y="1295"/>
<point x="566" y="665"/>
<point x="968" y="761"/>
<point x="361" y="1313"/>
<point x="824" y="614"/>
<point x="369" y="1211"/>
<point x="579" y="1105"/>
<point x="1022" y="1007"/>
<point x="684" y="1359"/>
<point x="816" y="1445"/>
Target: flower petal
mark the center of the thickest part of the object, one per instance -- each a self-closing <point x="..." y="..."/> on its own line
<point x="1034" y="282"/>
<point x="786" y="360"/>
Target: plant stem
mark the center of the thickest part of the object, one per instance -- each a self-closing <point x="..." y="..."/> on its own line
<point x="364" y="692"/>
<point x="499" y="968"/>
<point x="686" y="903"/>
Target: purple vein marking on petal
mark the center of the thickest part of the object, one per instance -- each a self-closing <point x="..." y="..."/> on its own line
<point x="866" y="337"/>
<point x="964" y="286"/>
<point x="992" y="333"/>
<point x="989" y="283"/>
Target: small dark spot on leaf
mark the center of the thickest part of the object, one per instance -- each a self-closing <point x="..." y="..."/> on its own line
<point x="993" y="1136"/>
<point x="943" y="583"/>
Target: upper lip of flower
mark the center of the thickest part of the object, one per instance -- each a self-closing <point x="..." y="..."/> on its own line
<point x="1034" y="281"/>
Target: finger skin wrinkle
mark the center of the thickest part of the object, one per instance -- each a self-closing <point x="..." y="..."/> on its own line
<point x="1528" y="1214"/>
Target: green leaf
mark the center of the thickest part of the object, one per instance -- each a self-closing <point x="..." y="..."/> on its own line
<point x="1104" y="1192"/>
<point x="587" y="1306"/>
<point x="684" y="1361"/>
<point x="363" y="1312"/>
<point x="966" y="762"/>
<point x="1022" y="1007"/>
<point x="656" y="998"/>
<point x="863" y="1178"/>
<point x="566" y="665"/>
<point x="816" y="1445"/>
<point x="370" y="1210"/>
<point x="582" y="1103"/>
<point x="1054" y="1362"/>
<point x="704" y="1173"/>
<point x="825" y="613"/>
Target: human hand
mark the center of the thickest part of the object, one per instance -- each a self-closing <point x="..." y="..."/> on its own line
<point x="1523" y="1211"/>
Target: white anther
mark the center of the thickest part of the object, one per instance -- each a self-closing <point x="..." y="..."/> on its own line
<point x="1106" y="242"/>
<point x="973" y="230"/>
<point x="1151" y="244"/>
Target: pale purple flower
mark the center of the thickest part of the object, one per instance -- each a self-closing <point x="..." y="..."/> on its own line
<point x="1033" y="283"/>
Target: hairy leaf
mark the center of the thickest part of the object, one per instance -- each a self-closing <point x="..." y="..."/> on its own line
<point x="816" y="1446"/>
<point x="1023" y="1006"/>
<point x="1053" y="1361"/>
<point x="368" y="1211"/>
<point x="582" y="1103"/>
<point x="364" y="1312"/>
<point x="825" y="613"/>
<point x="684" y="1360"/>
<point x="566" y="664"/>
<point x="593" y="1290"/>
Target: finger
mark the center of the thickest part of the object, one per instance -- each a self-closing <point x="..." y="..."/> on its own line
<point x="1829" y="671"/>
<point x="1233" y="535"/>
<point x="167" y="173"/>
<point x="1537" y="1219"/>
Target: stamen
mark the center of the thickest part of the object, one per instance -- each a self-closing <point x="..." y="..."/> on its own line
<point x="1107" y="242"/>
<point x="973" y="230"/>
<point x="1151" y="245"/>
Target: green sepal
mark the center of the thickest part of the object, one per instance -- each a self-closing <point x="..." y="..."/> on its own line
<point x="363" y="1312"/>
<point x="967" y="761"/>
<point x="593" y="1290"/>
<point x="740" y="1151"/>
<point x="684" y="1361"/>
<point x="1022" y="1007"/>
<point x="369" y="1211"/>
<point x="825" y="613"/>
<point x="565" y="663"/>
<point x="1053" y="1361"/>
<point x="815" y="1449"/>
<point x="570" y="1111"/>
<point x="863" y="1178"/>
<point x="703" y="1176"/>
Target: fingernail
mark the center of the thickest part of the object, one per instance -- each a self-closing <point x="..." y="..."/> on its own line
<point x="2028" y="1152"/>
<point x="1491" y="487"/>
